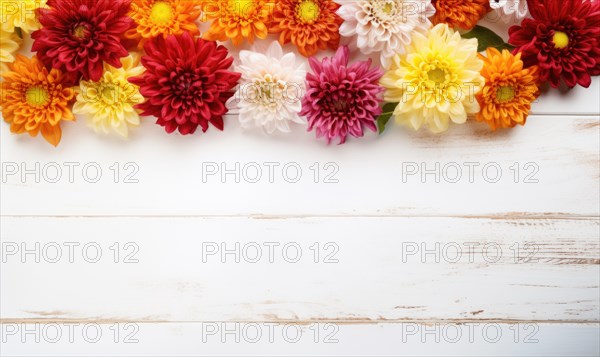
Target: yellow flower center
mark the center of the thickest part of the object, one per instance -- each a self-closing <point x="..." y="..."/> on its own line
<point x="161" y="13"/>
<point x="308" y="11"/>
<point x="109" y="93"/>
<point x="243" y="8"/>
<point x="384" y="10"/>
<point x="437" y="75"/>
<point x="37" y="96"/>
<point x="80" y="32"/>
<point x="269" y="90"/>
<point x="388" y="7"/>
<point x="505" y="94"/>
<point x="560" y="39"/>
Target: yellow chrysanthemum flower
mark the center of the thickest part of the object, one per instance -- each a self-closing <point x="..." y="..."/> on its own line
<point x="9" y="45"/>
<point x="435" y="81"/>
<point x="20" y="13"/>
<point x="109" y="103"/>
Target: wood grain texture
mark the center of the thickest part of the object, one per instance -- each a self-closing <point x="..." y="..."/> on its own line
<point x="558" y="159"/>
<point x="378" y="276"/>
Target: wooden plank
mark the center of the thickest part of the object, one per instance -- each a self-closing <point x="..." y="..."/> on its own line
<point x="394" y="339"/>
<point x="551" y="166"/>
<point x="366" y="269"/>
<point x="562" y="101"/>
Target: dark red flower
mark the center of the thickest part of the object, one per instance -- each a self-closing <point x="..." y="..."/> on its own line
<point x="562" y="38"/>
<point x="78" y="35"/>
<point x="187" y="82"/>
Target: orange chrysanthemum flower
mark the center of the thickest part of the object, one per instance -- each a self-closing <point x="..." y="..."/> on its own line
<point x="311" y="25"/>
<point x="509" y="90"/>
<point x="460" y="13"/>
<point x="237" y="19"/>
<point x="35" y="100"/>
<point x="162" y="17"/>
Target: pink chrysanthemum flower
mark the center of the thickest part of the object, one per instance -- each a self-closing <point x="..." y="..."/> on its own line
<point x="342" y="98"/>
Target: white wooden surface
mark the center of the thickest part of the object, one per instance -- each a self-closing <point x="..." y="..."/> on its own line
<point x="165" y="293"/>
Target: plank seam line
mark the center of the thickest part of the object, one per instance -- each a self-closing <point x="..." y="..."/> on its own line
<point x="297" y="322"/>
<point x="501" y="216"/>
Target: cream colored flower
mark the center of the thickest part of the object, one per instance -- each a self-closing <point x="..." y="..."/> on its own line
<point x="109" y="103"/>
<point x="20" y="13"/>
<point x="270" y="90"/>
<point x="384" y="26"/>
<point x="9" y="45"/>
<point x="436" y="81"/>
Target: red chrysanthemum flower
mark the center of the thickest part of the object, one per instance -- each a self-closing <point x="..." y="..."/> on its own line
<point x="562" y="38"/>
<point x="187" y="82"/>
<point x="342" y="98"/>
<point x="79" y="35"/>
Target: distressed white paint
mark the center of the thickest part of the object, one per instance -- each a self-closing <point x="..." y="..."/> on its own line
<point x="562" y="154"/>
<point x="368" y="272"/>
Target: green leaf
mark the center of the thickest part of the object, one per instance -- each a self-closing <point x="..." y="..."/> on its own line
<point x="388" y="111"/>
<point x="487" y="38"/>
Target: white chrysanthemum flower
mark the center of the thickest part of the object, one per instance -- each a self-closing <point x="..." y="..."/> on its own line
<point x="384" y="26"/>
<point x="270" y="90"/>
<point x="510" y="10"/>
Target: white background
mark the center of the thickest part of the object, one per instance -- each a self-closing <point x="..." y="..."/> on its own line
<point x="385" y="265"/>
